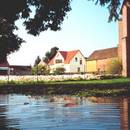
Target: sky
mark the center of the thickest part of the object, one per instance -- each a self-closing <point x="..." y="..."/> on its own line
<point x="85" y="28"/>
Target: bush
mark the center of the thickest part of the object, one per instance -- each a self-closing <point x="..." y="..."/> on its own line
<point x="40" y="70"/>
<point x="59" y="70"/>
<point x="114" y="67"/>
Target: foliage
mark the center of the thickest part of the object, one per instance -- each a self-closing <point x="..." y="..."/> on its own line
<point x="40" y="70"/>
<point x="59" y="70"/>
<point x="37" y="61"/>
<point x="113" y="7"/>
<point x="47" y="14"/>
<point x="51" y="54"/>
<point x="103" y="92"/>
<point x="114" y="67"/>
<point x="110" y="76"/>
<point x="9" y="42"/>
<point x="114" y="87"/>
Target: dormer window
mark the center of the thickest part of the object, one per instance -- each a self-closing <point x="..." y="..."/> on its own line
<point x="76" y="59"/>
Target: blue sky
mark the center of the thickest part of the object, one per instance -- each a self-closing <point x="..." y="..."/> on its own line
<point x="85" y="28"/>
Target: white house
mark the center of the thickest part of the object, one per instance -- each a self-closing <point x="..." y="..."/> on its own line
<point x="72" y="61"/>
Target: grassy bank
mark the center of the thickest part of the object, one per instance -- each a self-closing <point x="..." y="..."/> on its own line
<point x="106" y="87"/>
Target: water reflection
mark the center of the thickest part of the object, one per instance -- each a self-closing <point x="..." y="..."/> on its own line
<point x="20" y="112"/>
<point x="4" y="121"/>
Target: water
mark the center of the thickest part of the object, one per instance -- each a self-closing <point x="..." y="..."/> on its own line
<point x="20" y="112"/>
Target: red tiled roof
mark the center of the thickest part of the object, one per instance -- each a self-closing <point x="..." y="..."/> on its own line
<point x="67" y="55"/>
<point x="51" y="61"/>
<point x="104" y="54"/>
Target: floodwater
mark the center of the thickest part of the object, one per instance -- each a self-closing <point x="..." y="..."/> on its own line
<point x="20" y="112"/>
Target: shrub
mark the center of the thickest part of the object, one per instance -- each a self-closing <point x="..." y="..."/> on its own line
<point x="59" y="70"/>
<point x="40" y="70"/>
<point x="114" y="67"/>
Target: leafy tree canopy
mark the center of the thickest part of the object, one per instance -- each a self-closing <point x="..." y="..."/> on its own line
<point x="51" y="54"/>
<point x="49" y="14"/>
<point x="40" y="70"/>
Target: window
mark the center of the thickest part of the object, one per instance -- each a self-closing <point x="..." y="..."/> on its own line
<point x="76" y="59"/>
<point x="58" y="61"/>
<point x="78" y="69"/>
<point x="80" y="61"/>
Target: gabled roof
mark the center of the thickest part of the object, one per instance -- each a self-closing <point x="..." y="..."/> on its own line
<point x="20" y="67"/>
<point x="4" y="63"/>
<point x="104" y="54"/>
<point x="67" y="55"/>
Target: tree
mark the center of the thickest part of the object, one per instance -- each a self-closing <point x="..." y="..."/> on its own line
<point x="40" y="69"/>
<point x="9" y="42"/>
<point x="37" y="61"/>
<point x="51" y="54"/>
<point x="113" y="7"/>
<point x="48" y="14"/>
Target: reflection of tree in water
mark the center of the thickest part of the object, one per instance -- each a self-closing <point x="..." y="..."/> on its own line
<point x="4" y="121"/>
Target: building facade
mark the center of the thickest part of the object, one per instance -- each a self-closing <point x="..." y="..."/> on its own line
<point x="20" y="70"/>
<point x="124" y="38"/>
<point x="7" y="69"/>
<point x="99" y="60"/>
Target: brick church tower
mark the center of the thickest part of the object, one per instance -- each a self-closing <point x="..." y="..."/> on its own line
<point x="124" y="38"/>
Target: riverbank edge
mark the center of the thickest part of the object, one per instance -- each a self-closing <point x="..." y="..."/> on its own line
<point x="61" y="88"/>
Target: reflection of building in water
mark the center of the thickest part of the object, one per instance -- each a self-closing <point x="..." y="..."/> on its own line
<point x="115" y="111"/>
<point x="103" y="100"/>
<point x="68" y="101"/>
<point x="125" y="114"/>
<point x="123" y="104"/>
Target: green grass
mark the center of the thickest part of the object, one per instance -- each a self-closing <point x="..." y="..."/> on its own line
<point x="104" y="87"/>
<point x="103" y="81"/>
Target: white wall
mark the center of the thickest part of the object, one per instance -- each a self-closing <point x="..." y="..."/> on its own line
<point x="75" y="65"/>
<point x="67" y="68"/>
<point x="57" y="65"/>
<point x="60" y="57"/>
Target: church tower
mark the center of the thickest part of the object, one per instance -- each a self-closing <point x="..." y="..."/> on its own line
<point x="124" y="38"/>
